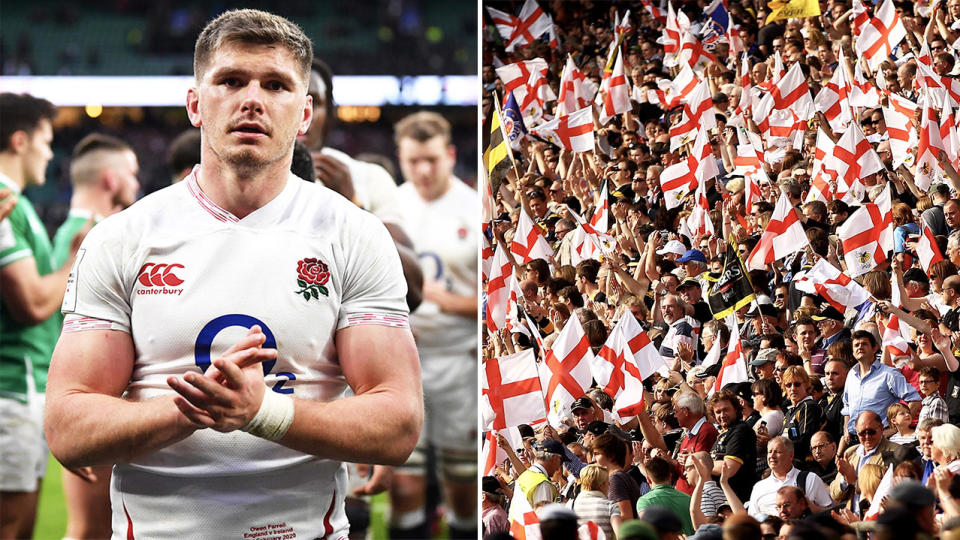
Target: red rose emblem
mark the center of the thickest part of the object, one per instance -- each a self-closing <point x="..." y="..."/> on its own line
<point x="313" y="271"/>
<point x="312" y="275"/>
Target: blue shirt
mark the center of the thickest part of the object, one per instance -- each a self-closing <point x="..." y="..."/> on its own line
<point x="878" y="389"/>
<point x="900" y="236"/>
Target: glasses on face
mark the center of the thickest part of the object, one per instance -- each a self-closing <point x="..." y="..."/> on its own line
<point x="927" y="381"/>
<point x="780" y="296"/>
<point x="779" y="369"/>
<point x="820" y="447"/>
<point x="795" y="384"/>
<point x="869" y="432"/>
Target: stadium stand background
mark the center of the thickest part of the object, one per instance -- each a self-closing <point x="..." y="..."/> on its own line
<point x="140" y="38"/>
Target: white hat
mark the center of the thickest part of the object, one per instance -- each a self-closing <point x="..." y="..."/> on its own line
<point x="673" y="246"/>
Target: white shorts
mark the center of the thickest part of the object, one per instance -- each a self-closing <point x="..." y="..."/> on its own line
<point x="23" y="448"/>
<point x="302" y="501"/>
<point x="450" y="403"/>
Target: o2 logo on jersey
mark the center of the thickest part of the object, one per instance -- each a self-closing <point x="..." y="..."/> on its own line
<point x="201" y="349"/>
<point x="431" y="264"/>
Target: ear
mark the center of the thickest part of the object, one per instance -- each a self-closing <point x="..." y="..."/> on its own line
<point x="307" y="115"/>
<point x="193" y="107"/>
<point x="452" y="152"/>
<point x="108" y="180"/>
<point x="18" y="139"/>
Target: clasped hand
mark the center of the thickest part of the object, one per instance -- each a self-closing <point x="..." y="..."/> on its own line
<point x="228" y="395"/>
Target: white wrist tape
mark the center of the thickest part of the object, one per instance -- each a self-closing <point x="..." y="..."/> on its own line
<point x="274" y="417"/>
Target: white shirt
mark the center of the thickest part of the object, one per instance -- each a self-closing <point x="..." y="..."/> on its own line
<point x="373" y="187"/>
<point x="763" y="498"/>
<point x="187" y="279"/>
<point x="444" y="235"/>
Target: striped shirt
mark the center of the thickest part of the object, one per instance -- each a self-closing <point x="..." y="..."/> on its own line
<point x="596" y="507"/>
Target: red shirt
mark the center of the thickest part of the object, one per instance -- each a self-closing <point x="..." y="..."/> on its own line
<point x="699" y="439"/>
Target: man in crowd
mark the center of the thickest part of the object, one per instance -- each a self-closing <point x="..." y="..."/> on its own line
<point x="823" y="450"/>
<point x="872" y="385"/>
<point x="835" y="374"/>
<point x="248" y="405"/>
<point x="33" y="288"/>
<point x="736" y="446"/>
<point x="873" y="448"/>
<point x="782" y="473"/>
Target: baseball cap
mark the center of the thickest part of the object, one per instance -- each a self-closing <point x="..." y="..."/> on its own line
<point x="766" y="309"/>
<point x="550" y="446"/>
<point x="689" y="282"/>
<point x="581" y="403"/>
<point x="764" y="356"/>
<point x="916" y="274"/>
<point x="692" y="255"/>
<point x="597" y="427"/>
<point x="743" y="390"/>
<point x="673" y="246"/>
<point x="829" y="312"/>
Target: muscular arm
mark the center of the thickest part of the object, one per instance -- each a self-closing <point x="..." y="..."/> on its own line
<point x="381" y="422"/>
<point x="86" y="421"/>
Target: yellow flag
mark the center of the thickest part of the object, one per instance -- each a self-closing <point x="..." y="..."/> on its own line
<point x="497" y="157"/>
<point x="792" y="9"/>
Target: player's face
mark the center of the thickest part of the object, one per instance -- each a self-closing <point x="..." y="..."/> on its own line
<point x="126" y="171"/>
<point x="428" y="165"/>
<point x="37" y="153"/>
<point x="250" y="105"/>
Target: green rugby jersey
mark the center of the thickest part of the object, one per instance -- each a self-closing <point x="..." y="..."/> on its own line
<point x="25" y="350"/>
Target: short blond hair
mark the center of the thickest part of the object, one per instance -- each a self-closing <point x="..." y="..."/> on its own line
<point x="253" y="27"/>
<point x="421" y="127"/>
<point x="592" y="477"/>
<point x="868" y="479"/>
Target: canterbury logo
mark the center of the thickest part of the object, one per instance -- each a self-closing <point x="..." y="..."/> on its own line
<point x="159" y="275"/>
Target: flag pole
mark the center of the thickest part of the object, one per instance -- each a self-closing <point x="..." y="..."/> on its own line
<point x="496" y="103"/>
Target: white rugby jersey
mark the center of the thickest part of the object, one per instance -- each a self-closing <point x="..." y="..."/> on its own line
<point x="444" y="235"/>
<point x="373" y="186"/>
<point x="187" y="279"/>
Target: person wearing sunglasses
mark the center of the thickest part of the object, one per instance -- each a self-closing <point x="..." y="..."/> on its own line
<point x="803" y="417"/>
<point x="874" y="448"/>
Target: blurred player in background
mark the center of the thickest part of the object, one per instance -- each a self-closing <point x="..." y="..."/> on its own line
<point x="103" y="173"/>
<point x="32" y="288"/>
<point x="368" y="185"/>
<point x="183" y="154"/>
<point x="439" y="213"/>
<point x="187" y="305"/>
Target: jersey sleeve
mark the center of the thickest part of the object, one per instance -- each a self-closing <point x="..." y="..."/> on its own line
<point x="374" y="289"/>
<point x="97" y="288"/>
<point x="15" y="245"/>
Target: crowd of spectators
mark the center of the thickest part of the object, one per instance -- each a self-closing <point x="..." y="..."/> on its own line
<point x="828" y="416"/>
